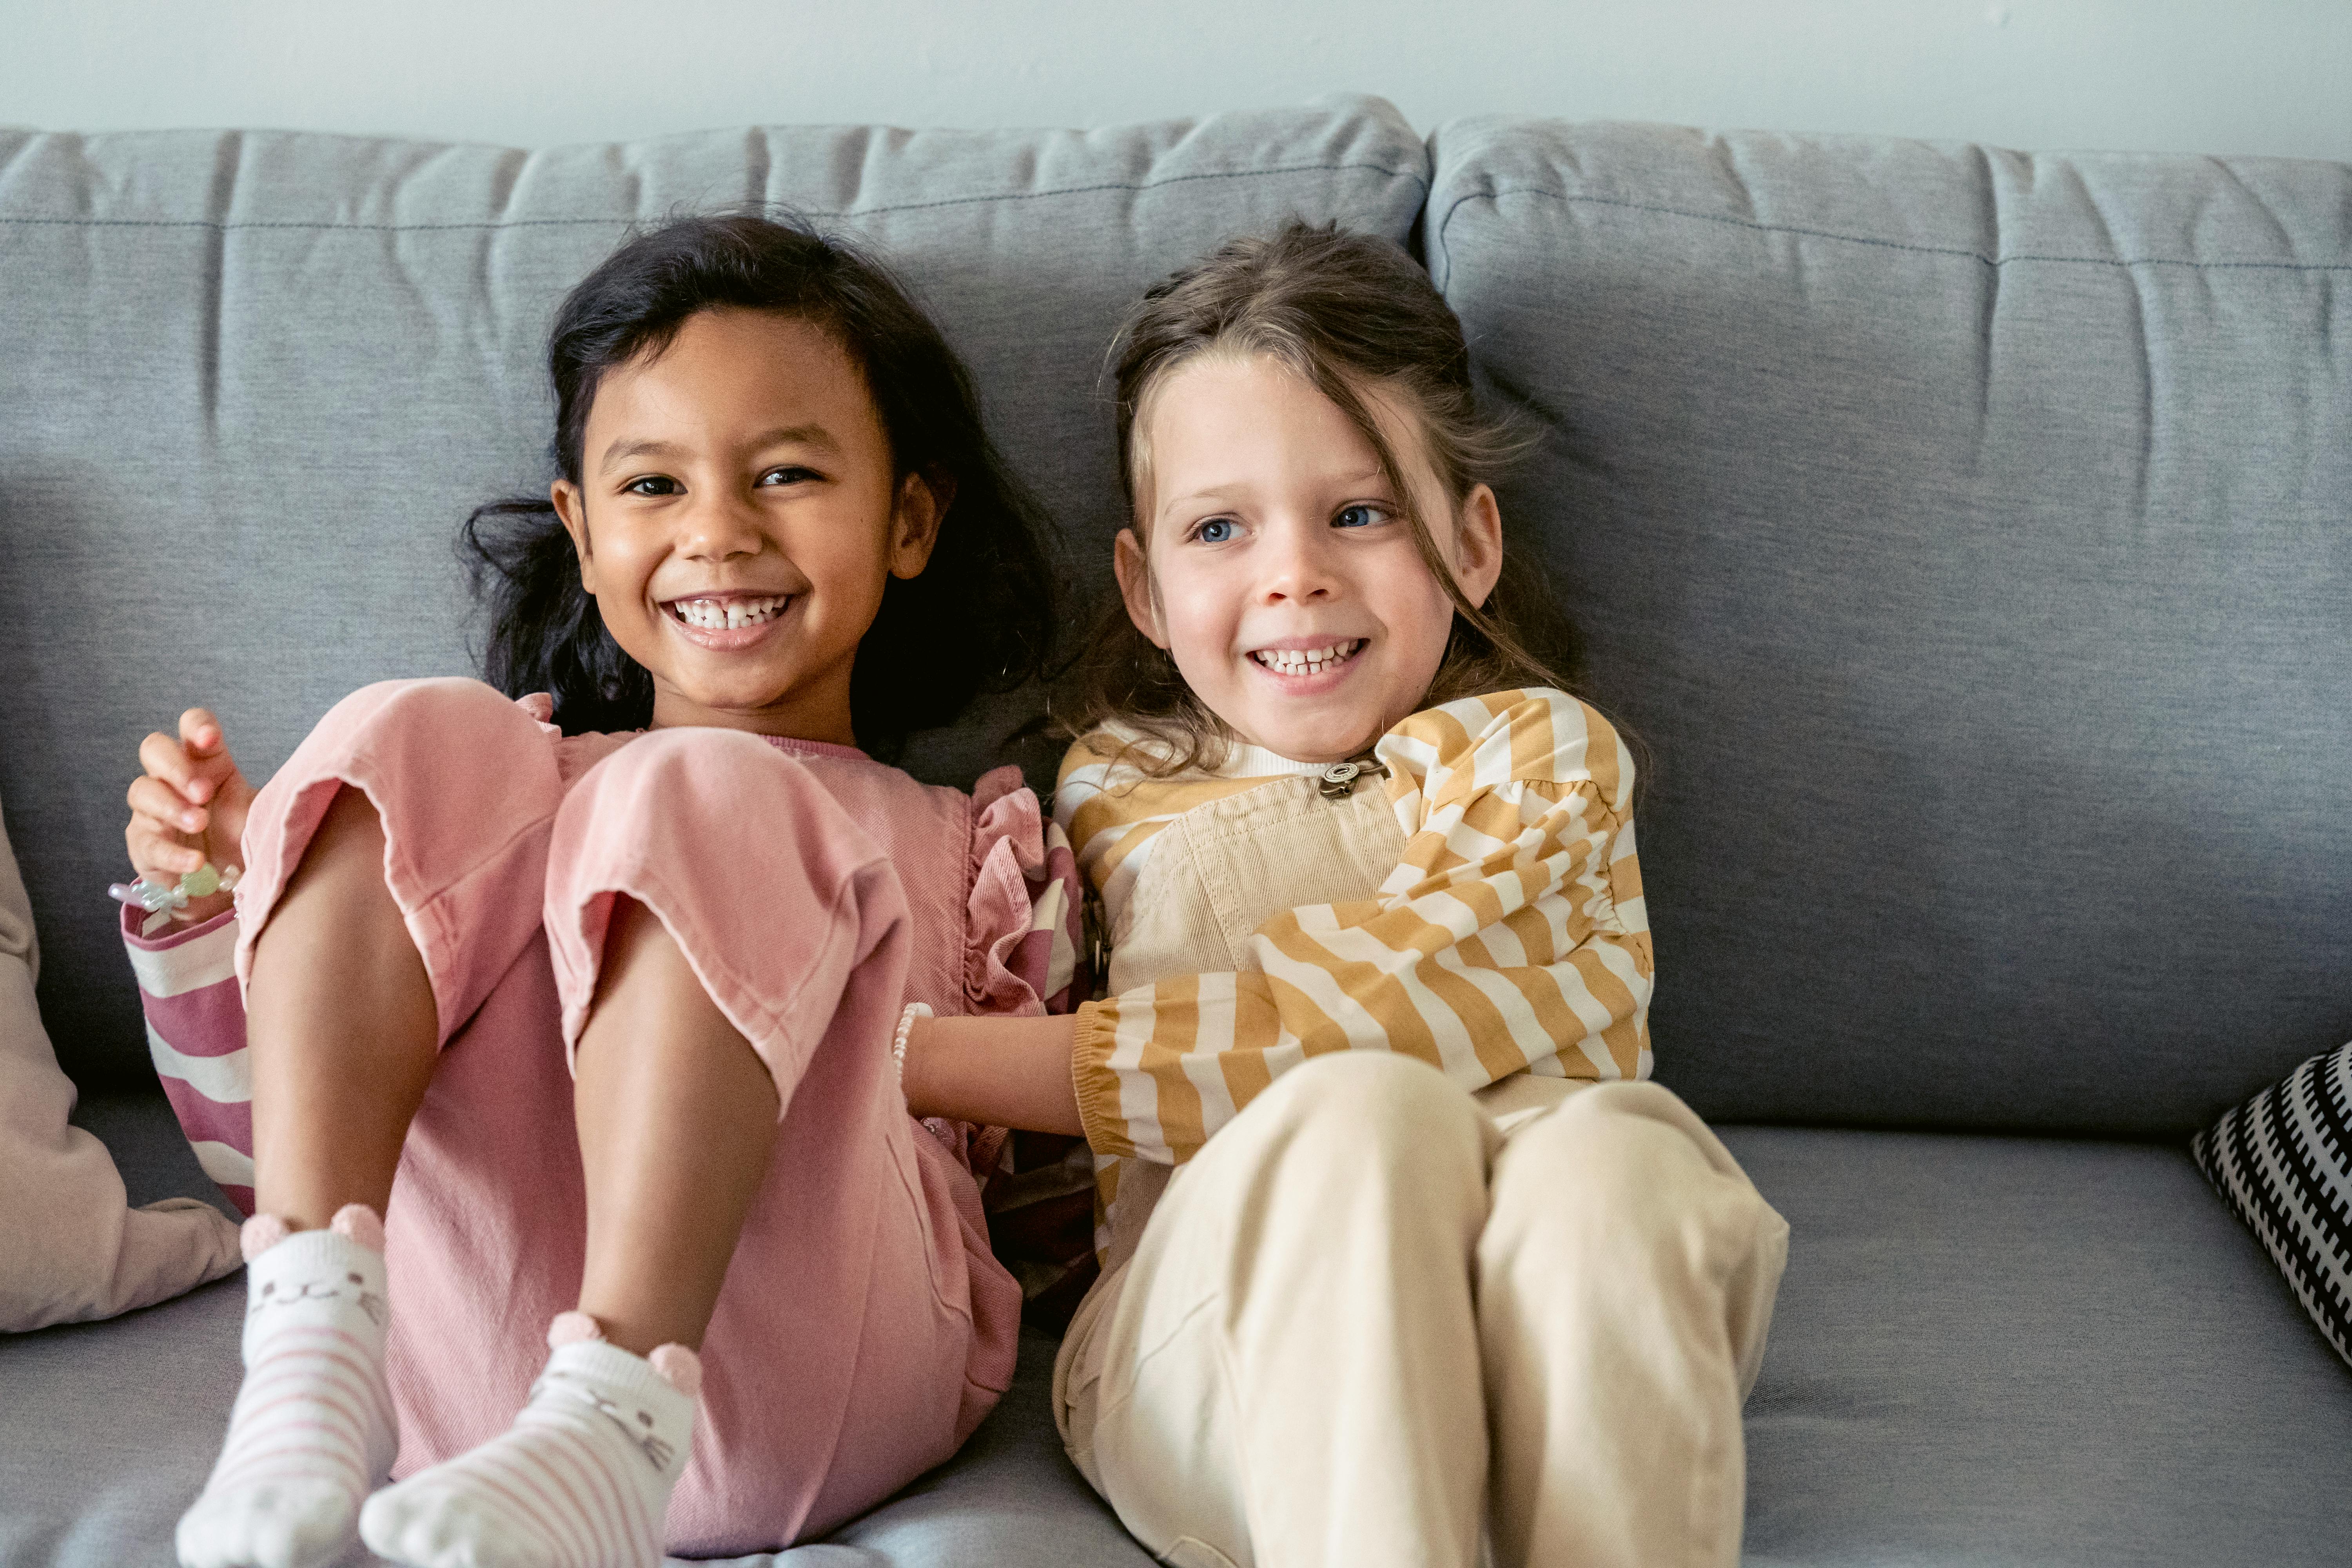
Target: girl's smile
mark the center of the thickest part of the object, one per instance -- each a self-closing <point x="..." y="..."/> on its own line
<point x="729" y="623"/>
<point x="1309" y="666"/>
<point x="721" y="612"/>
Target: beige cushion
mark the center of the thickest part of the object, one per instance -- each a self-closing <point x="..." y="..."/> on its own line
<point x="71" y="1248"/>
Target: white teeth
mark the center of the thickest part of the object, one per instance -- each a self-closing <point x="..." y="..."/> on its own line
<point x="1308" y="660"/>
<point x="720" y="614"/>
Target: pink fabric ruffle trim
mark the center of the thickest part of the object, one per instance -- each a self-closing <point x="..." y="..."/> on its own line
<point x="1008" y="845"/>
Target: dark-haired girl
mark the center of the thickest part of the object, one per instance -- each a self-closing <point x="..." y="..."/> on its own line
<point x="779" y="541"/>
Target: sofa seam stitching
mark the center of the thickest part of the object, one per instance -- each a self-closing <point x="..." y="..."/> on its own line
<point x="1496" y="193"/>
<point x="226" y="224"/>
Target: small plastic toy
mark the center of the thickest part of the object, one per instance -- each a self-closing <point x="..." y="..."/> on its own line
<point x="167" y="902"/>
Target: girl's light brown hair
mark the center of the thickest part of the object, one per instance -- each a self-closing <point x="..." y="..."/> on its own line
<point x="1355" y="317"/>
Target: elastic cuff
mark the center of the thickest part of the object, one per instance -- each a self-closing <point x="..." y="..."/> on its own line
<point x="1095" y="1082"/>
<point x="130" y="920"/>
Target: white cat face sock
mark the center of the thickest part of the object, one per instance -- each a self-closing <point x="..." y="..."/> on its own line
<point x="311" y="1432"/>
<point x="582" y="1480"/>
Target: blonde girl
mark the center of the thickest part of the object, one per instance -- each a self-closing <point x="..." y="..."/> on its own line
<point x="1401" y="1249"/>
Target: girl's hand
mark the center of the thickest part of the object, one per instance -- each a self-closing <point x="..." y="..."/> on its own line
<point x="189" y="807"/>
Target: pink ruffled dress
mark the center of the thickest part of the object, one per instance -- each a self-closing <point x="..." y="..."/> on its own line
<point x="864" y="1327"/>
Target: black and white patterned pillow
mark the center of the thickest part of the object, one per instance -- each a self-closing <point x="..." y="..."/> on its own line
<point x="2283" y="1160"/>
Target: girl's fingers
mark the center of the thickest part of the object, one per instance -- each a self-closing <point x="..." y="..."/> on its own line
<point x="164" y="759"/>
<point x="158" y="802"/>
<point x="155" y="849"/>
<point x="196" y="781"/>
<point x="171" y="802"/>
<point x="200" y="731"/>
<point x="197" y="767"/>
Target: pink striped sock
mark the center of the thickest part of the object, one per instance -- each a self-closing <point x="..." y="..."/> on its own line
<point x="582" y="1480"/>
<point x="312" y="1428"/>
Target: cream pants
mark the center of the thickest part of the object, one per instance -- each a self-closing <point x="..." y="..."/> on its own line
<point x="1378" y="1318"/>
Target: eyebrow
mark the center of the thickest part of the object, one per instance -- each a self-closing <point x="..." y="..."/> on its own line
<point x="814" y="435"/>
<point x="1219" y="497"/>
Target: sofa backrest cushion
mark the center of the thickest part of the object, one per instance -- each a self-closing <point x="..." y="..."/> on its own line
<point x="1970" y="536"/>
<point x="251" y="383"/>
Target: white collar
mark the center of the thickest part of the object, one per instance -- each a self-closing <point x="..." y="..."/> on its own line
<point x="1257" y="762"/>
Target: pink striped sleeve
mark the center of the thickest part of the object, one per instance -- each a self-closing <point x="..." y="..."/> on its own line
<point x="196" y="1034"/>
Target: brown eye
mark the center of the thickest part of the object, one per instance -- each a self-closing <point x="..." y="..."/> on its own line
<point x="266" y="1290"/>
<point x="646" y="1419"/>
<point x="355" y="1279"/>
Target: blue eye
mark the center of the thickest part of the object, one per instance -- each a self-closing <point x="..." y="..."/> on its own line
<point x="1216" y="531"/>
<point x="1359" y="516"/>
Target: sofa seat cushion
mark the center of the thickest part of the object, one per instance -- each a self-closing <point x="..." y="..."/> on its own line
<point x="2027" y="1351"/>
<point x="111" y="1427"/>
<point x="1986" y="1350"/>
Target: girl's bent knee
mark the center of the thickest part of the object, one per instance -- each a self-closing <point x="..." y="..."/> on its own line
<point x="446" y="708"/>
<point x="451" y="768"/>
<point x="702" y="769"/>
<point x="1643" y="1184"/>
<point x="709" y="796"/>
<point x="1376" y="1105"/>
<point x="1612" y="1160"/>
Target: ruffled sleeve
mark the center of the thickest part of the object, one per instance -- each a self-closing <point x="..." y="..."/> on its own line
<point x="1023" y="956"/>
<point x="1022" y="944"/>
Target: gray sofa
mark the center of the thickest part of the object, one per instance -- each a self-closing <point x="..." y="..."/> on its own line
<point x="1969" y="536"/>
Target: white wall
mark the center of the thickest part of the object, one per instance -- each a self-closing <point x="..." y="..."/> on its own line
<point x="2219" y="76"/>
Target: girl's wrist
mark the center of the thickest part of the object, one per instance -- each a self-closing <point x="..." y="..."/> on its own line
<point x="914" y="1015"/>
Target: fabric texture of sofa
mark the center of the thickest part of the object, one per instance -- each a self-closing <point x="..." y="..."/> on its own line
<point x="1966" y="534"/>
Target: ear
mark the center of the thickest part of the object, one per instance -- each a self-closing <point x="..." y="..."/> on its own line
<point x="1478" y="545"/>
<point x="915" y="519"/>
<point x="571" y="510"/>
<point x="1134" y="572"/>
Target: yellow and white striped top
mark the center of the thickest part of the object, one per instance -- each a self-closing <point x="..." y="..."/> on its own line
<point x="1510" y="937"/>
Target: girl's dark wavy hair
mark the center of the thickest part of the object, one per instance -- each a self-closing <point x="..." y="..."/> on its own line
<point x="980" y="618"/>
<point x="1354" y="315"/>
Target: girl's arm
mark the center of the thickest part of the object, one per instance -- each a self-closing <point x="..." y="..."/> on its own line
<point x="998" y="1072"/>
<point x="1510" y="937"/>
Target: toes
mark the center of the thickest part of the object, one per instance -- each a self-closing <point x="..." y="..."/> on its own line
<point x="282" y="1526"/>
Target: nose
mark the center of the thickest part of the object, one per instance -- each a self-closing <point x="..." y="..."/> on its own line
<point x="718" y="523"/>
<point x="1299" y="565"/>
